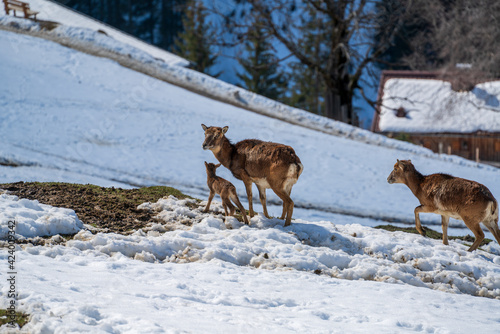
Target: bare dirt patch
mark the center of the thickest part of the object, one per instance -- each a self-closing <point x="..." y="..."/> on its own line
<point x="111" y="209"/>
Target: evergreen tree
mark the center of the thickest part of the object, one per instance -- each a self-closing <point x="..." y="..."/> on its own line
<point x="196" y="41"/>
<point x="307" y="89"/>
<point x="144" y="19"/>
<point x="170" y="23"/>
<point x="261" y="73"/>
<point x="154" y="21"/>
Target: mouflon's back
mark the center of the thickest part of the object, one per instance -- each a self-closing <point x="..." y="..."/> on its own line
<point x="263" y="158"/>
<point x="465" y="197"/>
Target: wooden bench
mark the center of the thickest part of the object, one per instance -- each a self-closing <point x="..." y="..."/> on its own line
<point x="16" y="5"/>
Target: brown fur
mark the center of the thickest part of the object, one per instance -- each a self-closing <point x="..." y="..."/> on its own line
<point x="450" y="196"/>
<point x="225" y="190"/>
<point x="268" y="165"/>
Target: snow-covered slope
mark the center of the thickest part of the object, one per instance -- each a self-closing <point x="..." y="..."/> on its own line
<point x="133" y="56"/>
<point x="69" y="116"/>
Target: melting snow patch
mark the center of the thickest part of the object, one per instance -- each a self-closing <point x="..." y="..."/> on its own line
<point x="33" y="219"/>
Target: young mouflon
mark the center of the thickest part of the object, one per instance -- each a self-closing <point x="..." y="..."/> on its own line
<point x="450" y="196"/>
<point x="225" y="190"/>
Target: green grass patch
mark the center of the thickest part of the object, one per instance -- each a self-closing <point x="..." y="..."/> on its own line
<point x="161" y="191"/>
<point x="6" y="317"/>
<point x="403" y="137"/>
<point x="112" y="208"/>
<point x="145" y="194"/>
<point x="239" y="216"/>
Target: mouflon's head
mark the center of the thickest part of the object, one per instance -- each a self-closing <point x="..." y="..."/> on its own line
<point x="213" y="136"/>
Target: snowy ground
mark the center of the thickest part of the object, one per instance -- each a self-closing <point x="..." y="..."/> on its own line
<point x="226" y="277"/>
<point x="68" y="116"/>
<point x="90" y="292"/>
<point x="34" y="219"/>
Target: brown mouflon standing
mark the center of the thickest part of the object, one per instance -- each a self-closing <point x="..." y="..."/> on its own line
<point x="225" y="190"/>
<point x="450" y="196"/>
<point x="268" y="165"/>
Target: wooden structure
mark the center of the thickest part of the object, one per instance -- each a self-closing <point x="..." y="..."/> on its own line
<point x="19" y="6"/>
<point x="480" y="146"/>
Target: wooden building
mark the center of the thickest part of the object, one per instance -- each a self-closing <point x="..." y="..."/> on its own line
<point x="446" y="116"/>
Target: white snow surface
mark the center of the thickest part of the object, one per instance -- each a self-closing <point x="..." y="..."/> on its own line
<point x="221" y="276"/>
<point x="34" y="219"/>
<point x="432" y="106"/>
<point x="68" y="116"/>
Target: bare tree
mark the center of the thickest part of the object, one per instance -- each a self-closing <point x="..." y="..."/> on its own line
<point x="343" y="27"/>
<point x="439" y="34"/>
<point x="195" y="42"/>
<point x="469" y="33"/>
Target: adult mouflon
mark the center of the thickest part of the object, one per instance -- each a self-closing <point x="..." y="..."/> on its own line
<point x="268" y="165"/>
<point x="452" y="197"/>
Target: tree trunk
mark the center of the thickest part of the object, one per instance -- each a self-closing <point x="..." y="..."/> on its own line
<point x="338" y="105"/>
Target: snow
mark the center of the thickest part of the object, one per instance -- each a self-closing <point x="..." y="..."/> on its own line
<point x="227" y="277"/>
<point x="101" y="294"/>
<point x="42" y="174"/>
<point x="432" y="106"/>
<point x="34" y="219"/>
<point x="348" y="252"/>
<point x="68" y="116"/>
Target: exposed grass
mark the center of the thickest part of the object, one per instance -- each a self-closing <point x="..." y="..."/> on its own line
<point x="403" y="137"/>
<point x="19" y="318"/>
<point x="239" y="216"/>
<point x="114" y="209"/>
<point x="144" y="194"/>
<point x="161" y="191"/>
<point x="430" y="233"/>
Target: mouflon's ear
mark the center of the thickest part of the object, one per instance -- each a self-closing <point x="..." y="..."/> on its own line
<point x="224" y="129"/>
<point x="204" y="127"/>
<point x="217" y="166"/>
